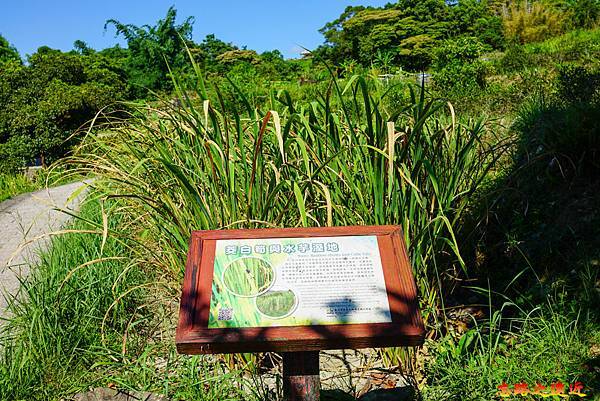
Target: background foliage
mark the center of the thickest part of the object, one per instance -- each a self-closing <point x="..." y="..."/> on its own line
<point x="44" y="101"/>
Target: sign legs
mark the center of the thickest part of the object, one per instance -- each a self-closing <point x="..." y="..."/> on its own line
<point x="301" y="380"/>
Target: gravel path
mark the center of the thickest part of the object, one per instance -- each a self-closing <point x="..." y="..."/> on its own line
<point x="22" y="219"/>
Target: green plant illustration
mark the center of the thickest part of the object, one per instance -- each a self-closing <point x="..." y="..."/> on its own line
<point x="276" y="304"/>
<point x="248" y="277"/>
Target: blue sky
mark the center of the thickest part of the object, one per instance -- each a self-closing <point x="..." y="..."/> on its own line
<point x="260" y="25"/>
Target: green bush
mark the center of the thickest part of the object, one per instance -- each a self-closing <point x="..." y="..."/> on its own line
<point x="584" y="13"/>
<point x="458" y="68"/>
<point x="577" y="84"/>
<point x="515" y="58"/>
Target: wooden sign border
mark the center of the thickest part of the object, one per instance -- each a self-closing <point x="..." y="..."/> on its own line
<point x="194" y="337"/>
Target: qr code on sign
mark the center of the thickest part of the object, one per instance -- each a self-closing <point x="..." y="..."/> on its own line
<point x="225" y="314"/>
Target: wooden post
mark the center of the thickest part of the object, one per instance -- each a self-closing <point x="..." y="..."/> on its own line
<point x="301" y="380"/>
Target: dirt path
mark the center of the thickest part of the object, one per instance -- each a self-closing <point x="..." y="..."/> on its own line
<point x="22" y="219"/>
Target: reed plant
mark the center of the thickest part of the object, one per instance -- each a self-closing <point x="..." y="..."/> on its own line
<point x="345" y="158"/>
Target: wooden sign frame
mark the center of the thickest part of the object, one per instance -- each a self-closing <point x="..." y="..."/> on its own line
<point x="194" y="337"/>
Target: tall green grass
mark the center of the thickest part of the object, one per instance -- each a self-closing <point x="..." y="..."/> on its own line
<point x="15" y="184"/>
<point x="582" y="46"/>
<point x="83" y="320"/>
<point x="66" y="311"/>
<point x="545" y="345"/>
<point x="346" y="158"/>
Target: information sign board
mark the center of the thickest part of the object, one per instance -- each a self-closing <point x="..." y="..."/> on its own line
<point x="297" y="290"/>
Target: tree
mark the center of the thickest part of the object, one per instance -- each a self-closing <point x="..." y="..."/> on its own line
<point x="153" y="50"/>
<point x="44" y="103"/>
<point x="82" y="48"/>
<point x="478" y="19"/>
<point x="408" y="30"/>
<point x="236" y="56"/>
<point x="457" y="66"/>
<point x="273" y="65"/>
<point x="8" y="52"/>
<point x="211" y="48"/>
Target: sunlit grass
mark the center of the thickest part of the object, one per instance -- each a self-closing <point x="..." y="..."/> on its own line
<point x="346" y="158"/>
<point x="15" y="184"/>
<point x="64" y="311"/>
<point x="546" y="345"/>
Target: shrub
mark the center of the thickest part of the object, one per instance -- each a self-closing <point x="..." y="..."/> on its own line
<point x="458" y="67"/>
<point x="577" y="84"/>
<point x="515" y="59"/>
<point x="584" y="13"/>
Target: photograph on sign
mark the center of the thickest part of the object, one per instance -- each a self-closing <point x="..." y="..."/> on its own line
<point x="271" y="282"/>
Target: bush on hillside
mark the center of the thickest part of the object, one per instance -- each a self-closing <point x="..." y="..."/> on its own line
<point x="577" y="84"/>
<point x="458" y="67"/>
<point x="515" y="58"/>
<point x="584" y="13"/>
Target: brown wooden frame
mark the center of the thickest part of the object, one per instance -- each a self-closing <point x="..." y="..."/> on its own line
<point x="194" y="337"/>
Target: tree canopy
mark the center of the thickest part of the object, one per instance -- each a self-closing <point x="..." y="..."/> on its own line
<point x="154" y="49"/>
<point x="408" y="31"/>
<point x="8" y="52"/>
<point x="43" y="103"/>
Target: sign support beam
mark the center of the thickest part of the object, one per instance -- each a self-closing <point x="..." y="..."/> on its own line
<point x="301" y="381"/>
